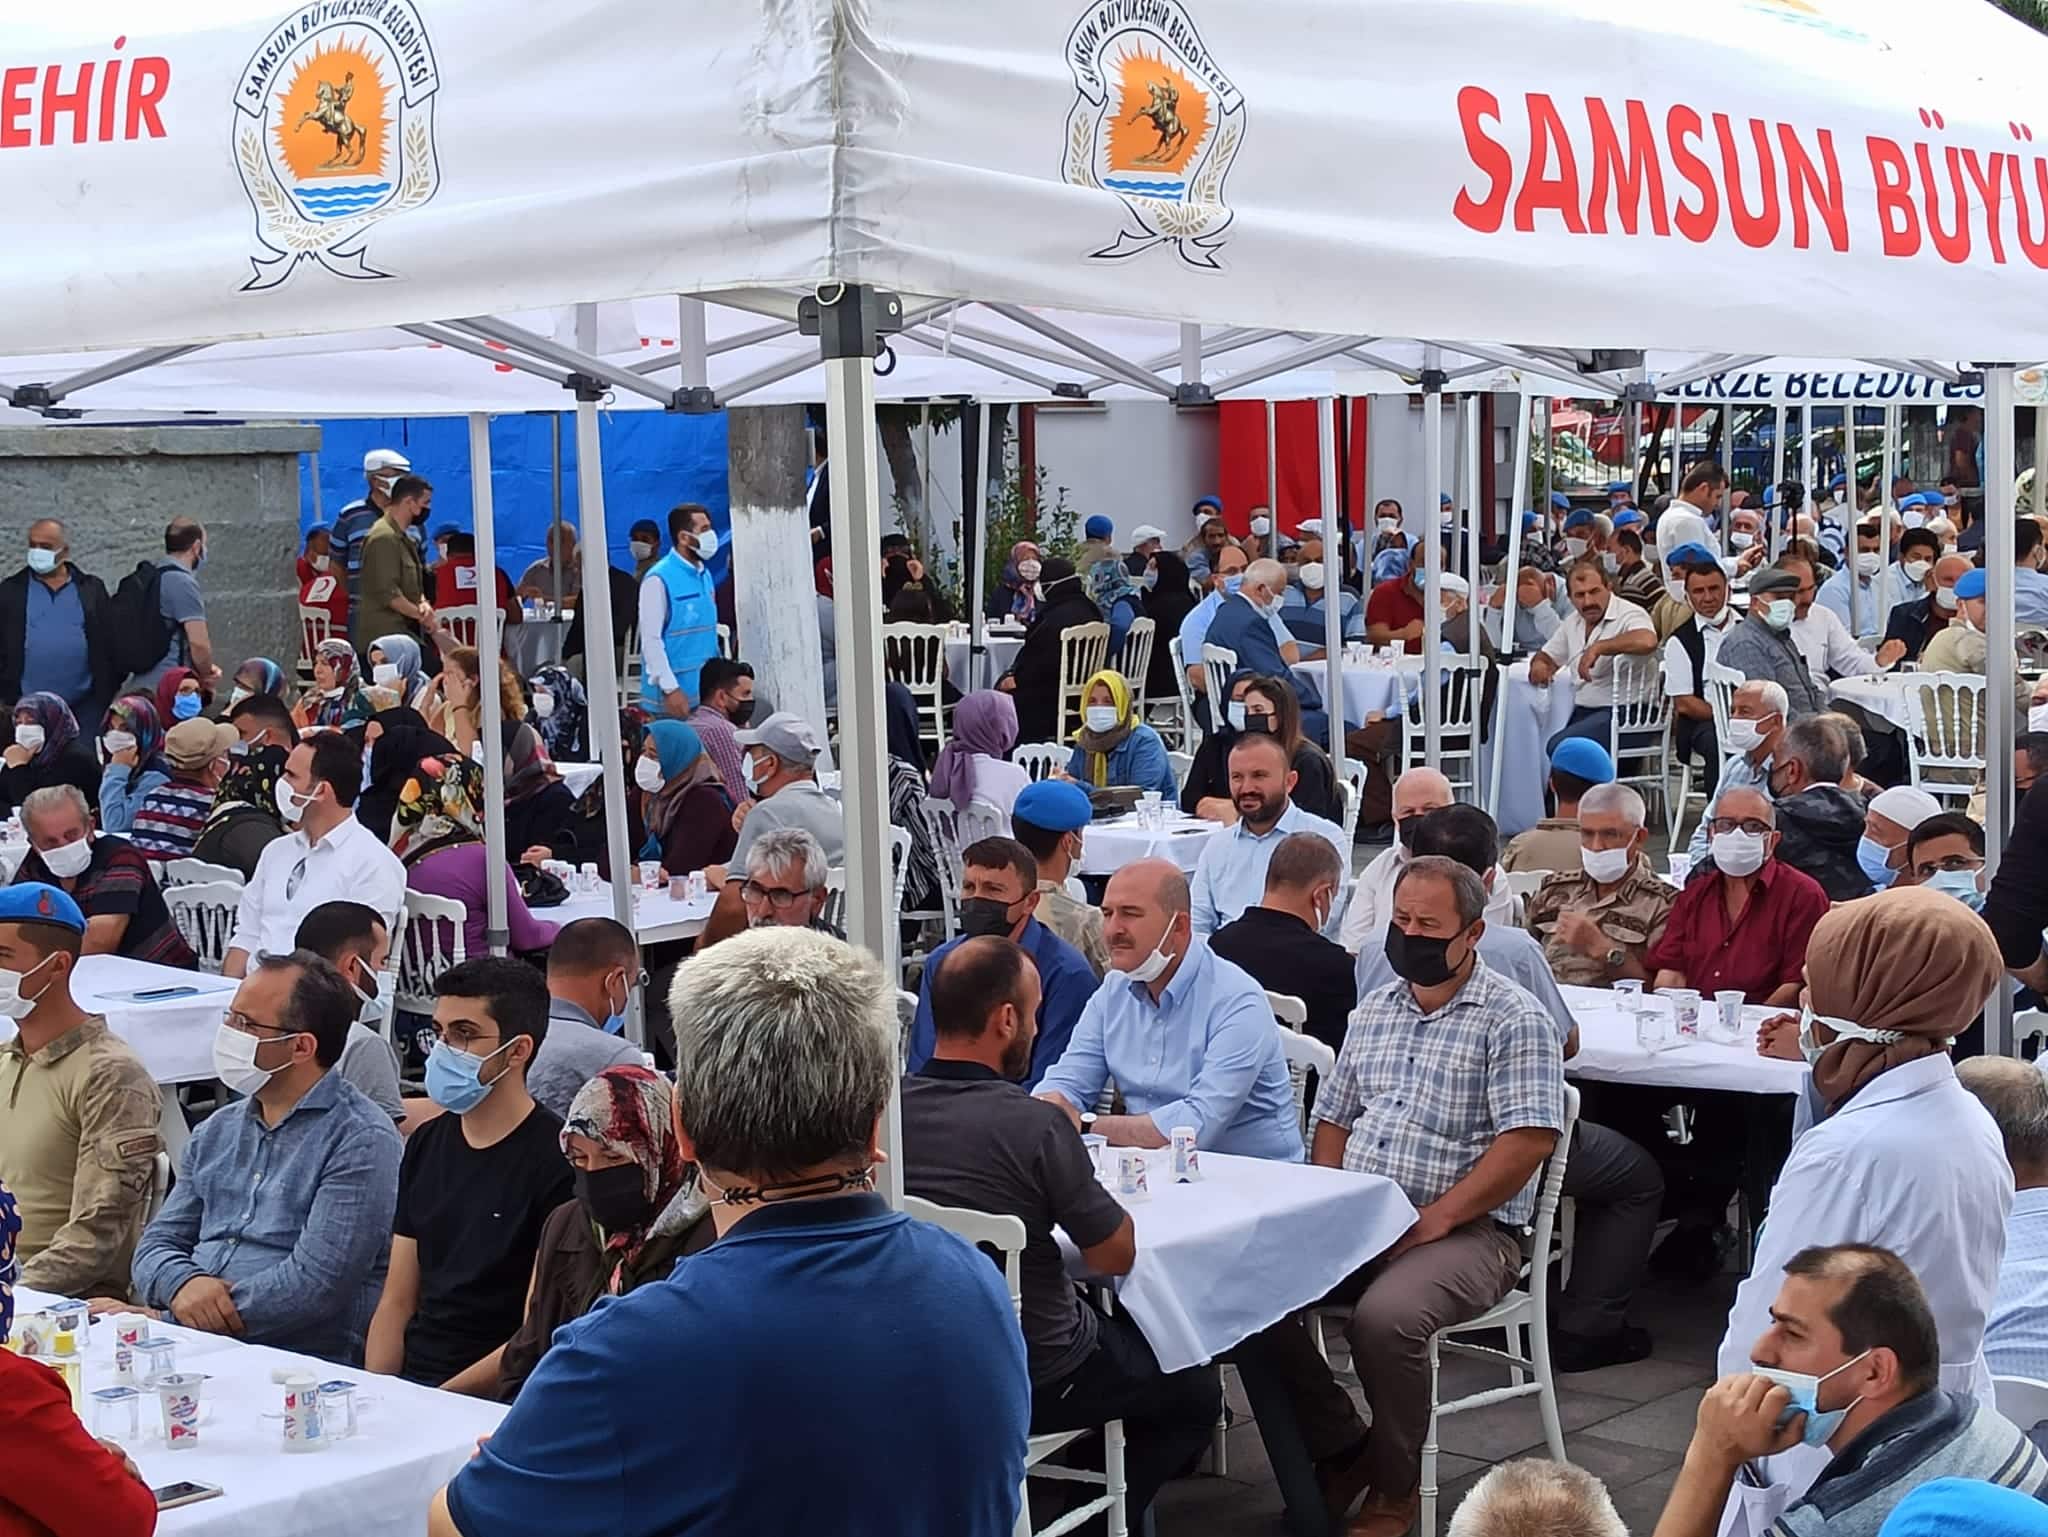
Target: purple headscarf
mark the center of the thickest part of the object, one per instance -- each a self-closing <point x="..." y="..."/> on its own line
<point x="985" y="721"/>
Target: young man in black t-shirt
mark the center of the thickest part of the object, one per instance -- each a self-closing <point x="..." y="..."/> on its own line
<point x="474" y="1187"/>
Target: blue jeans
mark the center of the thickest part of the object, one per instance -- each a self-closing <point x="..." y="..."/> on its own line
<point x="1593" y="722"/>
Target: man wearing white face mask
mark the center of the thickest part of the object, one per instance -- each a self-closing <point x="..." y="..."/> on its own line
<point x="106" y="876"/>
<point x="1915" y="623"/>
<point x="1246" y="623"/>
<point x="79" y="1139"/>
<point x="1757" y="714"/>
<point x="53" y="635"/>
<point x="1224" y="1073"/>
<point x="679" y="613"/>
<point x="330" y="856"/>
<point x="1848" y="1365"/>
<point x="1599" y="922"/>
<point x="781" y="786"/>
<point x="1877" y="585"/>
<point x="1762" y="646"/>
<point x="278" y="1229"/>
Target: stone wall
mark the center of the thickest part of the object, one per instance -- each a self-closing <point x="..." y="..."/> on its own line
<point x="115" y="488"/>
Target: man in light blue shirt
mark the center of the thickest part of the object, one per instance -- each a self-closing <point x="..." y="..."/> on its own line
<point x="2016" y="1328"/>
<point x="2029" y="581"/>
<point x="279" y="1228"/>
<point x="1877" y="585"/>
<point x="1187" y="1037"/>
<point x="1232" y="873"/>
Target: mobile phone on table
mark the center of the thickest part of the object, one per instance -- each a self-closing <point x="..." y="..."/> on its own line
<point x="158" y="994"/>
<point x="171" y="1496"/>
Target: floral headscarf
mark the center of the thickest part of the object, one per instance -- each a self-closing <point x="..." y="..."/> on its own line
<point x="269" y="678"/>
<point x="527" y="769"/>
<point x="10" y="1230"/>
<point x="136" y="715"/>
<point x="1109" y="584"/>
<point x="561" y="728"/>
<point x="626" y="1111"/>
<point x="60" y="726"/>
<point x="345" y="706"/>
<point x="441" y="804"/>
<point x="251" y="780"/>
<point x="402" y="652"/>
<point x="1023" y="595"/>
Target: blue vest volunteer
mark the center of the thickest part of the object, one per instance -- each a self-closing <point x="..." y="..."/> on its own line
<point x="689" y="637"/>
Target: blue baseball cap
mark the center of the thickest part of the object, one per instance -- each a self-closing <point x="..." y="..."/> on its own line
<point x="1443" y="498"/>
<point x="1618" y="485"/>
<point x="1529" y="521"/>
<point x="1692" y="554"/>
<point x="1583" y="759"/>
<point x="1917" y="499"/>
<point x="1971" y="585"/>
<point x="1838" y="482"/>
<point x="1098" y="527"/>
<point x="34" y="902"/>
<point x="1213" y="503"/>
<point x="1580" y="519"/>
<point x="1057" y="805"/>
<point x="1560" y="501"/>
<point x="1628" y="517"/>
<point x="1770" y="496"/>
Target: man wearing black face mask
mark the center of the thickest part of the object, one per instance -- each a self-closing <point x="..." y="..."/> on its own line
<point x="999" y="897"/>
<point x="727" y="704"/>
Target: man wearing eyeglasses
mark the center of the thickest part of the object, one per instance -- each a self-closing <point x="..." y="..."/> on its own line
<point x="279" y="1228"/>
<point x="785" y="882"/>
<point x="593" y="966"/>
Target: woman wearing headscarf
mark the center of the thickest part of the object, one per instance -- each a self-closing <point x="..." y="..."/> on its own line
<point x="539" y="808"/>
<point x="179" y="696"/>
<point x="1016" y="594"/>
<point x="1114" y="747"/>
<point x="395" y="740"/>
<point x="336" y="697"/>
<point x="685" y="807"/>
<point x="55" y="1480"/>
<point x="1117" y="596"/>
<point x="1904" y="1157"/>
<point x="46" y="751"/>
<point x="560" y="709"/>
<point x="395" y="664"/>
<point x="132" y="750"/>
<point x="975" y="765"/>
<point x="907" y="792"/>
<point x="244" y="820"/>
<point x="258" y="675"/>
<point x="438" y="837"/>
<point x="1168" y="602"/>
<point x="637" y="1211"/>
<point x="1260" y="704"/>
<point x="1034" y="677"/>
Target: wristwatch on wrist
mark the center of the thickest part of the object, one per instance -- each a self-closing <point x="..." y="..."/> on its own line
<point x="1616" y="958"/>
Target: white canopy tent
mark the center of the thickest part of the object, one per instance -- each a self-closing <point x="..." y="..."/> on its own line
<point x="259" y="171"/>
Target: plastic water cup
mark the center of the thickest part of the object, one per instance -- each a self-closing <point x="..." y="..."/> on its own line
<point x="1685" y="1011"/>
<point x="338" y="1409"/>
<point x="178" y="1393"/>
<point x="651" y="875"/>
<point x="1130" y="1175"/>
<point x="698" y="889"/>
<point x="1654" y="1028"/>
<point x="1187" y="1159"/>
<point x="116" y="1413"/>
<point x="130" y="1330"/>
<point x="155" y="1359"/>
<point x="1728" y="1016"/>
<point x="303" y="1429"/>
<point x="1628" y="995"/>
<point x="1097" y="1146"/>
<point x="587" y="878"/>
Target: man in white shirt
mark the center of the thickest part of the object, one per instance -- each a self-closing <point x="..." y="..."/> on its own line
<point x="1232" y="873"/>
<point x="1417" y="792"/>
<point x="2016" y="1331"/>
<point x="1693" y="648"/>
<point x="1830" y="650"/>
<point x="331" y="856"/>
<point x="1601" y="628"/>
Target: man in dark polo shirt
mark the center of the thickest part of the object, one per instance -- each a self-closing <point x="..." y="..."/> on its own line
<point x="973" y="1137"/>
<point x="125" y="912"/>
<point x="1280" y="942"/>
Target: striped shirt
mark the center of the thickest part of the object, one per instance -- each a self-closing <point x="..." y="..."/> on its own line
<point x="168" y="821"/>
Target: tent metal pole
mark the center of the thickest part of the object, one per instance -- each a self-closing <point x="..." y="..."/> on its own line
<point x="494" y="330"/>
<point x="1853" y="559"/>
<point x="455" y="341"/>
<point x="761" y="378"/>
<point x="1775" y="514"/>
<point x="977" y="571"/>
<point x="1333" y="588"/>
<point x="1190" y="355"/>
<point x="1470" y="508"/>
<point x="1273" y="487"/>
<point x="849" y="325"/>
<point x="924" y="336"/>
<point x="1510" y="604"/>
<point x="1301" y="357"/>
<point x="1812" y="498"/>
<point x="2040" y="459"/>
<point x="313" y="478"/>
<point x="1633" y="442"/>
<point x="693" y="351"/>
<point x="116" y="368"/>
<point x="1101" y="356"/>
<point x="1432" y="552"/>
<point x="601" y="665"/>
<point x="555" y="505"/>
<point x="1886" y="513"/>
<point x="2002" y="729"/>
<point x="487" y="648"/>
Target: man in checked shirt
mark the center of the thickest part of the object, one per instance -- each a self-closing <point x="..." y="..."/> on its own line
<point x="1450" y="1084"/>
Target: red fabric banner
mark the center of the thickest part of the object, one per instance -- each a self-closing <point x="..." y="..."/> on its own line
<point x="1241" y="456"/>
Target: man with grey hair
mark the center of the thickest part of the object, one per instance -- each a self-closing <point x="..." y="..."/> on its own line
<point x="819" y="1307"/>
<point x="125" y="912"/>
<point x="1535" y="1497"/>
<point x="1598" y="922"/>
<point x="2016" y="1329"/>
<point x="54" y="629"/>
<point x="1758" y="713"/>
<point x="1762" y="646"/>
<point x="785" y="882"/>
<point x="780" y="758"/>
<point x="1450" y="1084"/>
<point x="1244" y="624"/>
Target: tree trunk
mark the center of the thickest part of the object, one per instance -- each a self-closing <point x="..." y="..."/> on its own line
<point x="774" y="595"/>
<point x="899" y="447"/>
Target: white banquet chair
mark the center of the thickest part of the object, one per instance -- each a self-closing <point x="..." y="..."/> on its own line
<point x="1219" y="666"/>
<point x="1463" y="685"/>
<point x="430" y="942"/>
<point x="914" y="655"/>
<point x="459" y="621"/>
<point x="1005" y="1235"/>
<point x="1639" y="735"/>
<point x="1041" y="760"/>
<point x="205" y="914"/>
<point x="1945" y="731"/>
<point x="192" y="872"/>
<point x="1184" y="696"/>
<point x="1084" y="652"/>
<point x="315" y="625"/>
<point x="1135" y="660"/>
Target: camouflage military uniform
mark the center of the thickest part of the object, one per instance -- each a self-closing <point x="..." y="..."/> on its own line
<point x="1632" y="916"/>
<point x="1077" y="923"/>
<point x="78" y="1144"/>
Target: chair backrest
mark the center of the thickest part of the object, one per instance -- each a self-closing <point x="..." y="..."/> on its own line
<point x="1184" y="690"/>
<point x="940" y="816"/>
<point x="725" y="640"/>
<point x="914" y="655"/>
<point x="899" y="867"/>
<point x="1945" y="724"/>
<point x="1549" y="1191"/>
<point x="906" y="1019"/>
<point x="1522" y="882"/>
<point x="834" y="910"/>
<point x="1640" y="704"/>
<point x="1304" y="1054"/>
<point x="205" y="915"/>
<point x="1219" y="666"/>
<point x="159" y="1186"/>
<point x="1004" y="1234"/>
<point x="980" y="820"/>
<point x="1135" y="660"/>
<point x="430" y="942"/>
<point x="1180" y="763"/>
<point x="192" y="872"/>
<point x="1287" y="1008"/>
<point x="459" y="621"/>
<point x="1355" y="774"/>
<point x="1721" y="684"/>
<point x="2022" y="1400"/>
<point x="315" y="625"/>
<point x="1041" y="760"/>
<point x="1084" y="652"/>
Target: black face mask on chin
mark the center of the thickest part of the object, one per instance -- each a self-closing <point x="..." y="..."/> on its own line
<point x="1421" y="959"/>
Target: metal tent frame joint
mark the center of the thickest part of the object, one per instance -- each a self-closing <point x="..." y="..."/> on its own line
<point x="853" y="322"/>
<point x="695" y="400"/>
<point x="586" y="388"/>
<point x="1193" y="395"/>
<point x="1432" y="380"/>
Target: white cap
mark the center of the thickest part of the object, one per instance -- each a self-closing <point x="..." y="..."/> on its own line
<point x="1310" y="528"/>
<point x="1146" y="531"/>
<point x="1905" y="805"/>
<point x="1450" y="581"/>
<point x="379" y="460"/>
<point x="1312" y="575"/>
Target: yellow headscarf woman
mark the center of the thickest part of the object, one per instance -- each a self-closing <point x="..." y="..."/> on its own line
<point x="1113" y="746"/>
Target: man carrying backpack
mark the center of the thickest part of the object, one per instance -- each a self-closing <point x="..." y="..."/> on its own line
<point x="160" y="615"/>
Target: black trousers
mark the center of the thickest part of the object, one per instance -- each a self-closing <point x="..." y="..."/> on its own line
<point x="1695" y="739"/>
<point x="1167" y="1415"/>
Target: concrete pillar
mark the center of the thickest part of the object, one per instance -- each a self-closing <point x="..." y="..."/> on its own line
<point x="774" y="597"/>
<point x="116" y="487"/>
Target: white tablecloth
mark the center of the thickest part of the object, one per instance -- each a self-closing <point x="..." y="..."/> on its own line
<point x="1001" y="649"/>
<point x="1882" y="697"/>
<point x="580" y="777"/>
<point x="173" y="1036"/>
<point x="532" y="645"/>
<point x="1533" y="716"/>
<point x="657" y="917"/>
<point x="1106" y="847"/>
<point x="1368" y="686"/>
<point x="409" y="1441"/>
<point x="1608" y="1051"/>
<point x="1220" y="1260"/>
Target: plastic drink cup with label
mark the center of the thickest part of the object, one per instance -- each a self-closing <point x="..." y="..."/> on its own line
<point x="178" y="1393"/>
